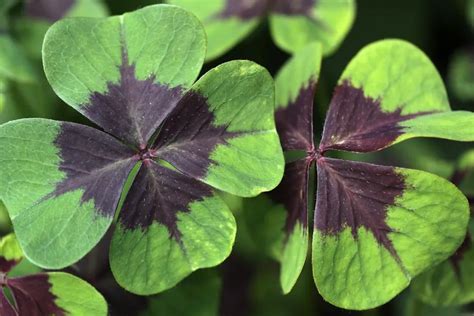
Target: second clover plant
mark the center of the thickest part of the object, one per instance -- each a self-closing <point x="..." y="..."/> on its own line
<point x="170" y="139"/>
<point x="375" y="227"/>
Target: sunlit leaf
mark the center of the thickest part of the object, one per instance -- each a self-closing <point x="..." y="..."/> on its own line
<point x="376" y="227"/>
<point x="183" y="138"/>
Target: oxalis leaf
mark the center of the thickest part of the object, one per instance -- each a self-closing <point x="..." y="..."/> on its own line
<point x="133" y="76"/>
<point x="295" y="88"/>
<point x="52" y="293"/>
<point x="293" y="23"/>
<point x="375" y="227"/>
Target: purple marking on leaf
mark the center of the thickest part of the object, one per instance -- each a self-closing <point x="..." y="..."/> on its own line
<point x="357" y="123"/>
<point x="292" y="192"/>
<point x="94" y="162"/>
<point x="355" y="195"/>
<point x="33" y="296"/>
<point x="132" y="109"/>
<point x="245" y="10"/>
<point x="7" y="265"/>
<point x="158" y="194"/>
<point x="457" y="257"/>
<point x="6" y="308"/>
<point x="294" y="7"/>
<point x="50" y="10"/>
<point x="295" y="121"/>
<point x="188" y="136"/>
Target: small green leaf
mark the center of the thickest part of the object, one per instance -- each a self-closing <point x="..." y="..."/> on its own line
<point x="10" y="253"/>
<point x="328" y="22"/>
<point x="294" y="257"/>
<point x="295" y="89"/>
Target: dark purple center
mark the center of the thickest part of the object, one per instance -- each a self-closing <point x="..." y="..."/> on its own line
<point x="314" y="155"/>
<point x="146" y="154"/>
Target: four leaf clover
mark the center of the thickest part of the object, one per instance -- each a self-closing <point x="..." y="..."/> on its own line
<point x="165" y="144"/>
<point x="375" y="227"/>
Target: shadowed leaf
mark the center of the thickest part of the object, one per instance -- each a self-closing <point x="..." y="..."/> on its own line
<point x="295" y="89"/>
<point x="295" y="24"/>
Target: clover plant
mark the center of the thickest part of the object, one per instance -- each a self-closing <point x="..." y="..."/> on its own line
<point x="375" y="227"/>
<point x="293" y="23"/>
<point x="167" y="140"/>
<point x="47" y="293"/>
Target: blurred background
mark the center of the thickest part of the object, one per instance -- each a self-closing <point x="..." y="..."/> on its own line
<point x="248" y="282"/>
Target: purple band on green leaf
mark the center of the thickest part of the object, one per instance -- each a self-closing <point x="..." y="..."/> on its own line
<point x="295" y="122"/>
<point x="244" y="11"/>
<point x="292" y="192"/>
<point x="257" y="8"/>
<point x="33" y="296"/>
<point x="158" y="194"/>
<point x="189" y="136"/>
<point x="293" y="7"/>
<point x="7" y="265"/>
<point x="354" y="194"/>
<point x="133" y="109"/>
<point x="94" y="162"/>
<point x="357" y="123"/>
